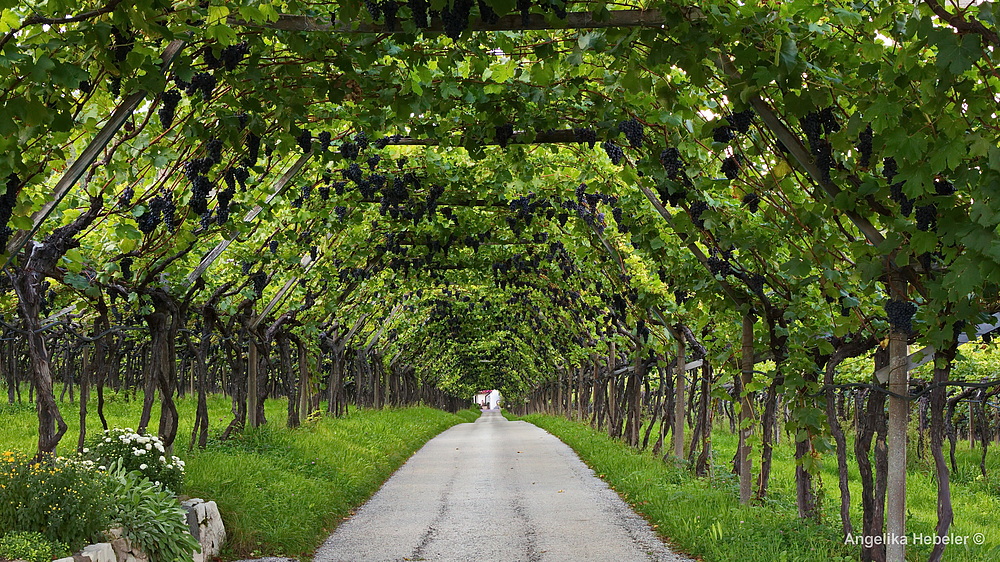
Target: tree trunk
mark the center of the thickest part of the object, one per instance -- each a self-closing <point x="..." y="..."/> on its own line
<point x="288" y="376"/>
<point x="85" y="376"/>
<point x="51" y="426"/>
<point x="163" y="326"/>
<point x="743" y="461"/>
<point x="769" y="423"/>
<point x="938" y="402"/>
<point x="702" y="465"/>
<point x="679" y="399"/>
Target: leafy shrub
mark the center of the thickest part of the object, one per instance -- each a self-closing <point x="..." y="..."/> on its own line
<point x="142" y="453"/>
<point x="151" y="518"/>
<point x="33" y="547"/>
<point x="64" y="499"/>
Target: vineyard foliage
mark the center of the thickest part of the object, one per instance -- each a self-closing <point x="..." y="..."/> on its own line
<point x="490" y="192"/>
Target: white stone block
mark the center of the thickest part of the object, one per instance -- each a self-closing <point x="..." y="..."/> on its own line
<point x="205" y="524"/>
<point x="100" y="552"/>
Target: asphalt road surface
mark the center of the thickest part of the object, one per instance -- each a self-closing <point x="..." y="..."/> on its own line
<point x="495" y="490"/>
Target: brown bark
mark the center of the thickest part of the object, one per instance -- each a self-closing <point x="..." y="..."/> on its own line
<point x="39" y="261"/>
<point x="288" y="376"/>
<point x="743" y="462"/>
<point x="842" y="352"/>
<point x="938" y="402"/>
<point x="679" y="399"/>
<point x="163" y="324"/>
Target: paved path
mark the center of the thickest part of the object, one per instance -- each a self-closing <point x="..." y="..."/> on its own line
<point x="495" y="490"/>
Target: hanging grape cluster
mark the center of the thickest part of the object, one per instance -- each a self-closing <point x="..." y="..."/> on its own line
<point x="900" y="315"/>
<point x="229" y="58"/>
<point x="889" y="171"/>
<point x="125" y="264"/>
<point x="259" y="281"/>
<point x="7" y="202"/>
<point x="304" y="140"/>
<point x="614" y="152"/>
<point x="926" y="217"/>
<point x="670" y="158"/>
<point x="633" y="131"/>
<point x="752" y="201"/>
<point x="696" y="210"/>
<point x="731" y="167"/>
<point x="168" y="107"/>
<point x="203" y="82"/>
<point x="585" y="135"/>
<point x="815" y="125"/>
<point x="864" y="147"/>
<point x="741" y="120"/>
<point x="456" y="18"/>
<point x="503" y="134"/>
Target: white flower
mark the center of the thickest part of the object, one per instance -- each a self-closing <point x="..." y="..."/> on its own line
<point x="102" y="467"/>
<point x="163" y="458"/>
<point x="107" y="439"/>
<point x="149" y="447"/>
<point x="159" y="447"/>
<point x="138" y="452"/>
<point x="143" y="466"/>
<point x="86" y="450"/>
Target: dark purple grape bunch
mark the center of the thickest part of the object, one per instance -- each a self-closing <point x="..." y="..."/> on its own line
<point x="864" y="147"/>
<point x="900" y="314"/>
<point x="305" y="141"/>
<point x="741" y="121"/>
<point x="614" y="152"/>
<point x="696" y="209"/>
<point x="455" y="18"/>
<point x="633" y="131"/>
<point x="731" y="167"/>
<point x="204" y="83"/>
<point x="168" y="107"/>
<point x="670" y="158"/>
<point x="896" y="194"/>
<point x="752" y="201"/>
<point x="585" y="135"/>
<point x="503" y="133"/>
<point x="125" y="264"/>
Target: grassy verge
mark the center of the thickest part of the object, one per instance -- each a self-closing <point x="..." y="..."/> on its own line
<point x="280" y="491"/>
<point x="703" y="517"/>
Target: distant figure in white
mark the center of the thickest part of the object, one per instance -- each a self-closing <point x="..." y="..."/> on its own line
<point x="488" y="399"/>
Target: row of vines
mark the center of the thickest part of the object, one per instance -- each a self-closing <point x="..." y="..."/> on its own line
<point x="384" y="203"/>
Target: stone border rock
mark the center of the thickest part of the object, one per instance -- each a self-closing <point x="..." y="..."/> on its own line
<point x="204" y="524"/>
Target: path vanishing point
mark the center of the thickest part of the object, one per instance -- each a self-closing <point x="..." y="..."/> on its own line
<point x="495" y="490"/>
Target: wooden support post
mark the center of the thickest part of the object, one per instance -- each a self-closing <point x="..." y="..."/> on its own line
<point x="899" y="416"/>
<point x="252" y="395"/>
<point x="679" y="400"/>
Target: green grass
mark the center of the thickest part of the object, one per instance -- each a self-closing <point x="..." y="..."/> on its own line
<point x="703" y="517"/>
<point x="281" y="492"/>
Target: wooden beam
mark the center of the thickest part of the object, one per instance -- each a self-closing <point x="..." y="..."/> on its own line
<point x="511" y="22"/>
<point x="91" y="153"/>
<point x="554" y="136"/>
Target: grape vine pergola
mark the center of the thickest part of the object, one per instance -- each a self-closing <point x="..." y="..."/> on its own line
<point x="587" y="205"/>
